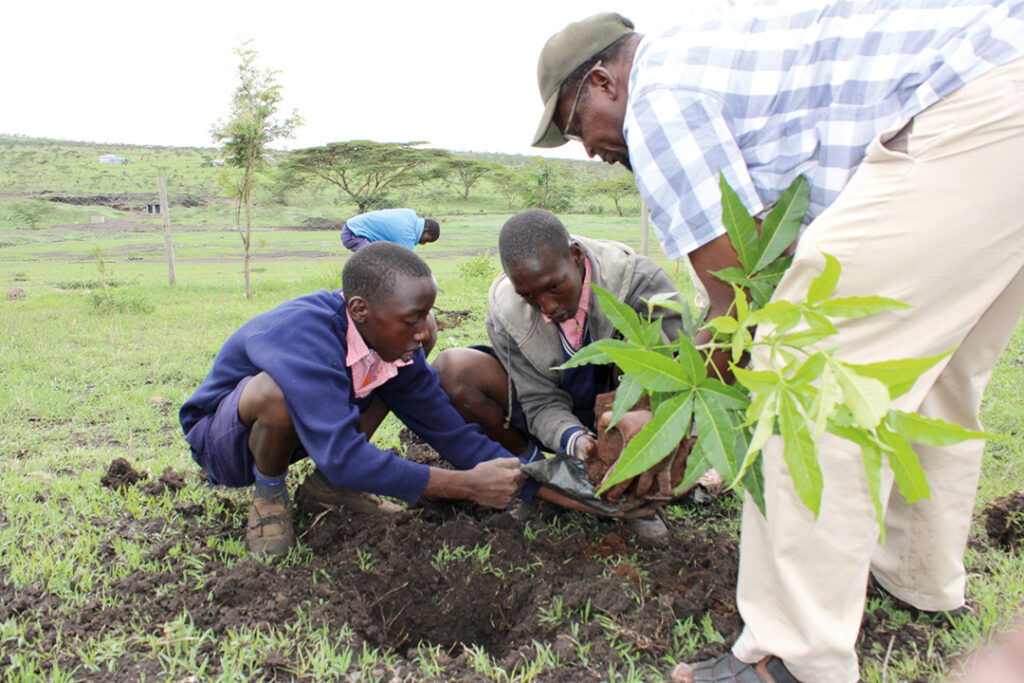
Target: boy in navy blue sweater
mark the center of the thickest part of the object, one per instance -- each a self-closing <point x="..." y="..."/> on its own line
<point x="298" y="380"/>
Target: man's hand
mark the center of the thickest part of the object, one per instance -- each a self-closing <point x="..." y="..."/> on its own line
<point x="583" y="446"/>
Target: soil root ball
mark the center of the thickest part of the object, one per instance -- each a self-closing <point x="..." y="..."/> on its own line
<point x="120" y="475"/>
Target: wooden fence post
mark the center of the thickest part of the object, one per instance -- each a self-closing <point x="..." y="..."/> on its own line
<point x="168" y="244"/>
<point x="645" y="223"/>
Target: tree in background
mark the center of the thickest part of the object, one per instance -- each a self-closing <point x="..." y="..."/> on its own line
<point x="616" y="190"/>
<point x="462" y="174"/>
<point x="508" y="182"/>
<point x="247" y="135"/>
<point x="544" y="186"/>
<point x="364" y="170"/>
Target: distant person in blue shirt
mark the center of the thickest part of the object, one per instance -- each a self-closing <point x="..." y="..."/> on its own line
<point x="302" y="380"/>
<point x="401" y="226"/>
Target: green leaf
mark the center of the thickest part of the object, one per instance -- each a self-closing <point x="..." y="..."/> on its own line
<point x="778" y="313"/>
<point x="930" y="431"/>
<point x="825" y="401"/>
<point x="782" y="224"/>
<point x="715" y="433"/>
<point x="800" y="453"/>
<point x="819" y="327"/>
<point x="594" y="353"/>
<point x="669" y="300"/>
<point x="729" y="397"/>
<point x="762" y="414"/>
<point x="898" y="375"/>
<point x="758" y="381"/>
<point x="871" y="455"/>
<point x="739" y="225"/>
<point x="624" y="318"/>
<point x="741" y="342"/>
<point x="752" y="482"/>
<point x="650" y="334"/>
<point x="866" y="397"/>
<point x="906" y="468"/>
<point x="724" y="324"/>
<point x="760" y="292"/>
<point x="651" y="370"/>
<point x="859" y="306"/>
<point x="733" y="276"/>
<point x="810" y="370"/>
<point x="626" y="395"/>
<point x="691" y="361"/>
<point x="697" y="464"/>
<point x="825" y="283"/>
<point x="655" y="440"/>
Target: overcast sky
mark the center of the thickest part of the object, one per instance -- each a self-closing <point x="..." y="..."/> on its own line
<point x="458" y="74"/>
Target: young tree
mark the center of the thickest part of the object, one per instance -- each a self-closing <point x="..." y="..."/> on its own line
<point x="616" y="190"/>
<point x="362" y="169"/>
<point x="247" y="135"/>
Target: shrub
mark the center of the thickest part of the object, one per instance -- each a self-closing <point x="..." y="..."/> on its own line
<point x="480" y="266"/>
<point x="105" y="301"/>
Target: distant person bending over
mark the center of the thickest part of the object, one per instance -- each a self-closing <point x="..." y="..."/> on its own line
<point x="541" y="311"/>
<point x="300" y="380"/>
<point x="401" y="226"/>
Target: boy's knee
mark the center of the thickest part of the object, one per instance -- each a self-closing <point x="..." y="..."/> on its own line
<point x="263" y="400"/>
<point x="447" y="367"/>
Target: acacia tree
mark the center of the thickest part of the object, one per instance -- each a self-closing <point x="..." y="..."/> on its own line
<point x="543" y="186"/>
<point x="616" y="190"/>
<point x="362" y="169"/>
<point x="247" y="135"/>
<point x="463" y="174"/>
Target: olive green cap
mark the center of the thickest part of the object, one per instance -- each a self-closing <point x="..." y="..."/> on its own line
<point x="564" y="53"/>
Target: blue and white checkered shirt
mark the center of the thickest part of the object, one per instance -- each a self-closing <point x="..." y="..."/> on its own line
<point x="772" y="91"/>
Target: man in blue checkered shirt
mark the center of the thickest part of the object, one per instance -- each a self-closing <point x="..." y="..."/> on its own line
<point x="907" y="119"/>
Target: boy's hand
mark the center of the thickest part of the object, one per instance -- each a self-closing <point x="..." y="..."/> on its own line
<point x="495" y="483"/>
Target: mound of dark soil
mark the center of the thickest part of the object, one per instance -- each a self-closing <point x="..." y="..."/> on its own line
<point x="438" y="573"/>
<point x="1004" y="520"/>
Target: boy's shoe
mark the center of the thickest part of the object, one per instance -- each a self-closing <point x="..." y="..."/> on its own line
<point x="270" y="527"/>
<point x="317" y="494"/>
<point x="650" y="531"/>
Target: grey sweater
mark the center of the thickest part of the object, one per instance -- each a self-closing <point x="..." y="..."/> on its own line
<point x="528" y="347"/>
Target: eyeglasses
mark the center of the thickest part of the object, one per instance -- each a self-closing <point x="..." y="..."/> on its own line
<point x="576" y="100"/>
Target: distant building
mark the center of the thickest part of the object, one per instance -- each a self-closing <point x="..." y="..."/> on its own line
<point x="152" y="208"/>
<point x="111" y="159"/>
<point x="217" y="162"/>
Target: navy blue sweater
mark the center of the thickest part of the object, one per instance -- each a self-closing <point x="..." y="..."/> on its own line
<point x="302" y="345"/>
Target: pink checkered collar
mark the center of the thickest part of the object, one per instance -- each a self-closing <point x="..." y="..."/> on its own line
<point x="573" y="328"/>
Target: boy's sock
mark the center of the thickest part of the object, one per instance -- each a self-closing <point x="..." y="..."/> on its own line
<point x="269" y="487"/>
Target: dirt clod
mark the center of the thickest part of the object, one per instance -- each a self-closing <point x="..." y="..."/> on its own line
<point x="1004" y="520"/>
<point x="120" y="475"/>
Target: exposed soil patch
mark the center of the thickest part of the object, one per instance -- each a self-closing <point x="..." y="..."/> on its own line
<point x="450" y="319"/>
<point x="128" y="202"/>
<point x="439" y="573"/>
<point x="316" y="223"/>
<point x="1004" y="521"/>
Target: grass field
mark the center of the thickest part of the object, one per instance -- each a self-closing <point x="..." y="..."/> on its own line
<point x="99" y="354"/>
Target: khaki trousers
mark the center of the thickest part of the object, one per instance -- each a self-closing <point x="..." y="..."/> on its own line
<point x="939" y="227"/>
